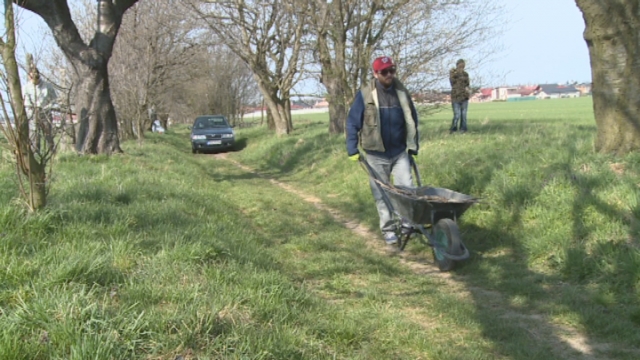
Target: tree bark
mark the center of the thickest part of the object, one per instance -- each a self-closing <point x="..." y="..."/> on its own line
<point x="279" y="117"/>
<point x="419" y="35"/>
<point x="340" y="32"/>
<point x="333" y="78"/>
<point x="280" y="113"/>
<point x="98" y="127"/>
<point x="26" y="163"/>
<point x="331" y="61"/>
<point x="612" y="34"/>
<point x="268" y="37"/>
<point x="337" y="106"/>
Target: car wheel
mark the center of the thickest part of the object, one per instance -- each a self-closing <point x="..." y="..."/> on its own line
<point x="194" y="151"/>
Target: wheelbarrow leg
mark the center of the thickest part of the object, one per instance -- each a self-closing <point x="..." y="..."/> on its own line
<point x="405" y="236"/>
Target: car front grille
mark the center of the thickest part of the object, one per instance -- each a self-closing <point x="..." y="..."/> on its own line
<point x="214" y="136"/>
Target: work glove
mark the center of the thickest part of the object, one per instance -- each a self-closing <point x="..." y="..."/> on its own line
<point x="355" y="157"/>
<point x="413" y="154"/>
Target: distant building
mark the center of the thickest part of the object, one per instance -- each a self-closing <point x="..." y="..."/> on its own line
<point x="508" y="93"/>
<point x="432" y="97"/>
<point x="585" y="89"/>
<point x="301" y="104"/>
<point x="555" y="91"/>
<point x="320" y="104"/>
<point x="531" y="92"/>
<point x="528" y="90"/>
<point x="505" y="92"/>
<point x="485" y="94"/>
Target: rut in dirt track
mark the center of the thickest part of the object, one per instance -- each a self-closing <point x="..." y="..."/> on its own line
<point x="567" y="342"/>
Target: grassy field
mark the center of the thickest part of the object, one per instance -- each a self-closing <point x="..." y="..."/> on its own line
<point x="160" y="254"/>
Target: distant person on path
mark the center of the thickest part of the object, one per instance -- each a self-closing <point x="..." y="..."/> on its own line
<point x="153" y="115"/>
<point x="460" y="93"/>
<point x="39" y="99"/>
<point x="384" y="122"/>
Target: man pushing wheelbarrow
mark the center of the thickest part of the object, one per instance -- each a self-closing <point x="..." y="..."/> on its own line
<point x="384" y="122"/>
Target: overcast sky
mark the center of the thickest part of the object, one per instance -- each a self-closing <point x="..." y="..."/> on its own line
<point x="542" y="44"/>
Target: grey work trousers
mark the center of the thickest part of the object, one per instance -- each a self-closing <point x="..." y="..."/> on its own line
<point x="385" y="167"/>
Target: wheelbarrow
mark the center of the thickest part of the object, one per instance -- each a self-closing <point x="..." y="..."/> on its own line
<point x="429" y="212"/>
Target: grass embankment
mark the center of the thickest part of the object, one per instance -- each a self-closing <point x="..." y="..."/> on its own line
<point x="158" y="253"/>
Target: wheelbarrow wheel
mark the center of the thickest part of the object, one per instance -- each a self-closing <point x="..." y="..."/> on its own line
<point x="446" y="237"/>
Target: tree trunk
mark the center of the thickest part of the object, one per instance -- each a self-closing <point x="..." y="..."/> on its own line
<point x="278" y="110"/>
<point x="98" y="127"/>
<point x="337" y="106"/>
<point x="287" y="115"/>
<point x="281" y="117"/>
<point x="333" y="76"/>
<point x="26" y="163"/>
<point x="126" y="127"/>
<point x="163" y="120"/>
<point x="613" y="37"/>
<point x="271" y="125"/>
<point x="38" y="186"/>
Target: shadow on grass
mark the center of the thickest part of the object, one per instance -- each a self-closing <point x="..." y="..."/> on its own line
<point x="241" y="144"/>
<point x="498" y="275"/>
<point x="508" y="273"/>
<point x="159" y="224"/>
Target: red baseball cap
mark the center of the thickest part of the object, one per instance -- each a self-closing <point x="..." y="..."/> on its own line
<point x="382" y="63"/>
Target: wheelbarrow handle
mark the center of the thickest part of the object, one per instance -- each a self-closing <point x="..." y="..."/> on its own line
<point x="365" y="164"/>
<point x="373" y="173"/>
<point x="414" y="166"/>
<point x="377" y="180"/>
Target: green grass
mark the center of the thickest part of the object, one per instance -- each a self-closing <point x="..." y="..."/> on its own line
<point x="158" y="253"/>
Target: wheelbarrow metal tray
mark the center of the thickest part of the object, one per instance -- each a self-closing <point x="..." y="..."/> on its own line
<point x="421" y="205"/>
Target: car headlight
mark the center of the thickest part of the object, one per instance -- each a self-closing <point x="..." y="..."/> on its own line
<point x="198" y="137"/>
<point x="226" y="136"/>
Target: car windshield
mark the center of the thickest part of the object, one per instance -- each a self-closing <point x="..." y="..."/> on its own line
<point x="210" y="122"/>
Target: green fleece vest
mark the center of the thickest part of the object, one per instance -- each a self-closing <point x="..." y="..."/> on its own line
<point x="370" y="136"/>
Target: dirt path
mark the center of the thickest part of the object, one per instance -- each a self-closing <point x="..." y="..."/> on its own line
<point x="567" y="342"/>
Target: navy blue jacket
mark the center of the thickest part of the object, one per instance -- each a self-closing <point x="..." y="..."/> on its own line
<point x="392" y="124"/>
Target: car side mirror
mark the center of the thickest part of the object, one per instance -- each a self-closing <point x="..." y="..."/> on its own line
<point x="188" y="127"/>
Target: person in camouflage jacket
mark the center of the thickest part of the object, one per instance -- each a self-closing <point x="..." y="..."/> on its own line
<point x="460" y="93"/>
